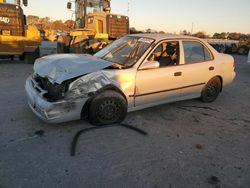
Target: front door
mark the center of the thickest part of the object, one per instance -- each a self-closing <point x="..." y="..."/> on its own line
<point x="163" y="84"/>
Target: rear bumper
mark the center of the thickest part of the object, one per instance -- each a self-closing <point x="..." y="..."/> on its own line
<point x="53" y="112"/>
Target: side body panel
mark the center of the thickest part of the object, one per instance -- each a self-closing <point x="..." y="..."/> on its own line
<point x="196" y="75"/>
<point x="157" y="85"/>
<point x="227" y="66"/>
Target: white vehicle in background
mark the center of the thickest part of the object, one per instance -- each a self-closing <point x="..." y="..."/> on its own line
<point x="248" y="59"/>
<point x="132" y="73"/>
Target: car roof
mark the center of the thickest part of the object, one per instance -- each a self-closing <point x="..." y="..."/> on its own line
<point x="158" y="36"/>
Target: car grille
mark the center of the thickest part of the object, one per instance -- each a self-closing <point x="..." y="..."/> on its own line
<point x="54" y="91"/>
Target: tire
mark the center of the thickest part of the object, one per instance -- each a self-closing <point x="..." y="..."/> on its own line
<point x="222" y="48"/>
<point x="243" y="50"/>
<point x="228" y="50"/>
<point x="30" y="57"/>
<point x="211" y="91"/>
<point x="21" y="57"/>
<point x="108" y="107"/>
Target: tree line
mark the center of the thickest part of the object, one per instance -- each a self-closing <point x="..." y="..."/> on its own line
<point x="47" y="24"/>
<point x="201" y="34"/>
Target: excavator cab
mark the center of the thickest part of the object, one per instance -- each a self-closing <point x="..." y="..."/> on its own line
<point x="85" y="7"/>
<point x="95" y="26"/>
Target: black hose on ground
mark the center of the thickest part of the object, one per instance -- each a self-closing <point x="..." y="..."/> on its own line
<point x="77" y="135"/>
<point x="134" y="128"/>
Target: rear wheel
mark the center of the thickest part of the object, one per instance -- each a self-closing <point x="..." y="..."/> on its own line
<point x="211" y="90"/>
<point x="108" y="107"/>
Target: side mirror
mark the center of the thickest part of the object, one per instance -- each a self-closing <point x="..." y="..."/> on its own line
<point x="69" y="4"/>
<point x="150" y="65"/>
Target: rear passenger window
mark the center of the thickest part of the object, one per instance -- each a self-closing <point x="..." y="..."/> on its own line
<point x="195" y="52"/>
<point x="208" y="56"/>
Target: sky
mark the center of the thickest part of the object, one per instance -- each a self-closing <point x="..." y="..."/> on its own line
<point x="209" y="16"/>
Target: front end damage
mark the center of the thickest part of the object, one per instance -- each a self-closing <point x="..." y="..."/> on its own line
<point x="58" y="97"/>
<point x="50" y="109"/>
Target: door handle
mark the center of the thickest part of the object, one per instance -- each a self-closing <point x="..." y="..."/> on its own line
<point x="177" y="73"/>
<point x="211" y="68"/>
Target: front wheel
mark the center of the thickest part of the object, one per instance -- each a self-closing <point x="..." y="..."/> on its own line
<point x="211" y="90"/>
<point x="108" y="107"/>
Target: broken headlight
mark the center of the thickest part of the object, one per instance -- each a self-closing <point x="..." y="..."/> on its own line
<point x="54" y="91"/>
<point x="79" y="88"/>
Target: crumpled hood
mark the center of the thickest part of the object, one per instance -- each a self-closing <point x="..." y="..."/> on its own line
<point x="60" y="67"/>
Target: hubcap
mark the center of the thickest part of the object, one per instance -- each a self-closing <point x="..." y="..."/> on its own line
<point x="212" y="89"/>
<point x="109" y="110"/>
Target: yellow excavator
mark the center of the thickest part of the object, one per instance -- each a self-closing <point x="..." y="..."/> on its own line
<point x="16" y="38"/>
<point x="95" y="26"/>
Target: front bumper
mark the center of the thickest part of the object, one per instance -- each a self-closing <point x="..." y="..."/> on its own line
<point x="52" y="112"/>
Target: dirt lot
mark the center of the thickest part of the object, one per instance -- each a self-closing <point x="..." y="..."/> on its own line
<point x="189" y="143"/>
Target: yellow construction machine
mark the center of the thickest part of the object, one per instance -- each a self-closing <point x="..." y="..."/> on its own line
<point x="95" y="26"/>
<point x="244" y="47"/>
<point x="16" y="38"/>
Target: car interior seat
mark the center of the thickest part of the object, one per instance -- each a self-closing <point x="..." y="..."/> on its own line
<point x="168" y="56"/>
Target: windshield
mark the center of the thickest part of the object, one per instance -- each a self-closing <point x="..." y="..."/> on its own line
<point x="93" y="5"/>
<point x="125" y="51"/>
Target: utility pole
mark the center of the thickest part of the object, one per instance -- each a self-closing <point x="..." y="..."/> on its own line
<point x="192" y="28"/>
<point x="128" y="8"/>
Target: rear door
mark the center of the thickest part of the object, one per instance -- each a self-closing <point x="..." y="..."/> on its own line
<point x="197" y="69"/>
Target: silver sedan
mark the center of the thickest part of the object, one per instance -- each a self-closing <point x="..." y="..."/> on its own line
<point x="132" y="73"/>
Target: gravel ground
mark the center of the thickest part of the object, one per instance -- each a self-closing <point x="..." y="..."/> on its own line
<point x="189" y="143"/>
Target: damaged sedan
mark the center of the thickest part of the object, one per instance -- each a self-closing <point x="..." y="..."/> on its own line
<point x="132" y="73"/>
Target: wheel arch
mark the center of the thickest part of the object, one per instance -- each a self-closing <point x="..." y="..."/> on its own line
<point x="221" y="81"/>
<point x="85" y="108"/>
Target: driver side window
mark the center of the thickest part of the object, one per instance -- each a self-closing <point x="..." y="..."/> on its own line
<point x="166" y="53"/>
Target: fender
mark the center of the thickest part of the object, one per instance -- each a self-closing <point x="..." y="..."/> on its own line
<point x="85" y="109"/>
